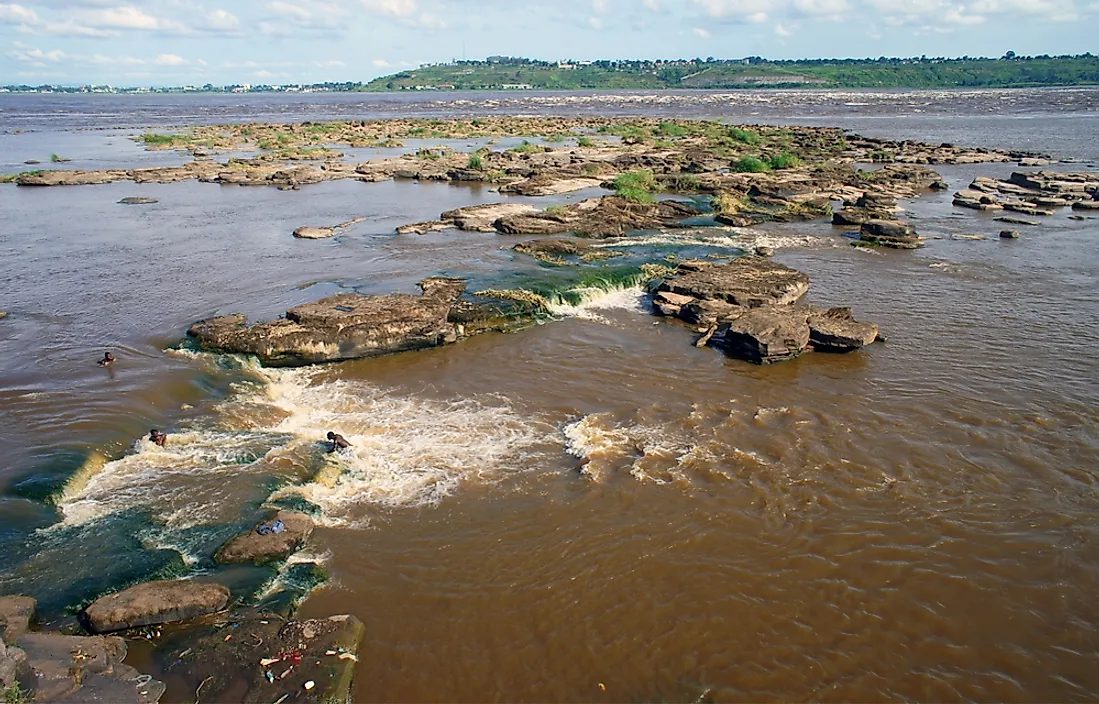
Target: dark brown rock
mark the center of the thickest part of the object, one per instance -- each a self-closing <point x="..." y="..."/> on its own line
<point x="1009" y="234"/>
<point x="154" y="603"/>
<point x="890" y="233"/>
<point x="346" y="326"/>
<point x="259" y="549"/>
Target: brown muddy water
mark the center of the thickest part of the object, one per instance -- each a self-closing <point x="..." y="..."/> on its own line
<point x="913" y="521"/>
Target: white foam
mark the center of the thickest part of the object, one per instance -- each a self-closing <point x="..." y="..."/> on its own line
<point x="593" y="300"/>
<point x="407" y="451"/>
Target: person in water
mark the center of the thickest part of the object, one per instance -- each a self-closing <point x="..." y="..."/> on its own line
<point x="158" y="437"/>
<point x="338" y="441"/>
<point x="108" y="360"/>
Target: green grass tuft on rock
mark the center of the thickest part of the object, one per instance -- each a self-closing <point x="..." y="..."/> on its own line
<point x="751" y="165"/>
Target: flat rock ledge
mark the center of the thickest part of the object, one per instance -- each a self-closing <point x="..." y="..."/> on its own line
<point x="51" y="667"/>
<point x="750" y="309"/>
<point x="259" y="549"/>
<point x="598" y="218"/>
<point x="346" y="326"/>
<point x="154" y="603"/>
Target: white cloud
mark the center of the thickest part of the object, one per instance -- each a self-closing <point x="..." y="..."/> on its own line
<point x="702" y="33"/>
<point x="405" y="11"/>
<point x="10" y="13"/>
<point x="169" y="60"/>
<point x="782" y="31"/>
<point x="651" y="5"/>
<point x="600" y="7"/>
<point x="736" y="10"/>
<point x="222" y="21"/>
<point x="595" y="23"/>
<point x="822" y="7"/>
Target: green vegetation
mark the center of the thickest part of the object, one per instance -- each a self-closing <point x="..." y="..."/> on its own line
<point x="13" y="694"/>
<point x="476" y="162"/>
<point x="784" y="160"/>
<point x="726" y="203"/>
<point x="752" y="72"/>
<point x="54" y="158"/>
<point x="743" y="136"/>
<point x="12" y="178"/>
<point x="165" y="141"/>
<point x="585" y="142"/>
<point x="556" y="209"/>
<point x="636" y="186"/>
<point x="526" y="148"/>
<point x="751" y="164"/>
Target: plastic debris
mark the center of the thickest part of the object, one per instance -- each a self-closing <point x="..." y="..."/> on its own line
<point x="310" y="685"/>
<point x="349" y="656"/>
<point x="281" y="699"/>
<point x="269" y="528"/>
<point x="602" y="687"/>
<point x="270" y="676"/>
<point x="330" y="652"/>
<point x="287" y="672"/>
<point x="269" y="661"/>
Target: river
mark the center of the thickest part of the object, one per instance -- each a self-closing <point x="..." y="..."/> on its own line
<point x="916" y="520"/>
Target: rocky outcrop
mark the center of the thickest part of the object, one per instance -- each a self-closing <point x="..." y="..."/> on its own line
<point x="750" y="309"/>
<point x="78" y="669"/>
<point x="598" y="218"/>
<point x="1031" y="193"/>
<point x="895" y="234"/>
<point x="748" y="281"/>
<point x="260" y="548"/>
<point x="475" y="218"/>
<point x="346" y="326"/>
<point x="13" y="663"/>
<point x="549" y="185"/>
<point x="554" y="251"/>
<point x="69" y="178"/>
<point x="154" y="603"/>
<point x="836" y="330"/>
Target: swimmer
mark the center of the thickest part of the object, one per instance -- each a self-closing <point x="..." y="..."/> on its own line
<point x="339" y="442"/>
<point x="108" y="360"/>
<point x="158" y="437"/>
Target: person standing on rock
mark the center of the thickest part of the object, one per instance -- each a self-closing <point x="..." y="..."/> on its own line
<point x="338" y="441"/>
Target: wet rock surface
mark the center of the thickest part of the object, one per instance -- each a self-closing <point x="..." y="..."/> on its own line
<point x="259" y="548"/>
<point x="751" y="310"/>
<point x="137" y="201"/>
<point x="155" y="603"/>
<point x="52" y="667"/>
<point x="597" y="218"/>
<point x="1033" y="193"/>
<point x="894" y="234"/>
<point x="346" y="326"/>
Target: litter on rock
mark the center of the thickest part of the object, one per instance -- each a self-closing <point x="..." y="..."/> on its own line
<point x="270" y="528"/>
<point x="269" y="661"/>
<point x="310" y="685"/>
<point x="349" y="656"/>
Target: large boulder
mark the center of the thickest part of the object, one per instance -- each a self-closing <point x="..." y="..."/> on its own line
<point x="154" y="603"/>
<point x="259" y="548"/>
<point x="479" y="218"/>
<point x="314" y="233"/>
<point x="346" y="326"/>
<point x="747" y="281"/>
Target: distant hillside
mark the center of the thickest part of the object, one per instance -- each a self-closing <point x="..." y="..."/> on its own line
<point x="505" y="73"/>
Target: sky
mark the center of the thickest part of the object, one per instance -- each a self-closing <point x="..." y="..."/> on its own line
<point x="193" y="42"/>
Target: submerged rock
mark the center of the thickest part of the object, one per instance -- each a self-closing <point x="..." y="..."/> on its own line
<point x="138" y="201"/>
<point x="251" y="546"/>
<point x="346" y="326"/>
<point x="154" y="603"/>
<point x="267" y="659"/>
<point x="1009" y="234"/>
